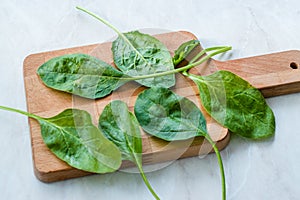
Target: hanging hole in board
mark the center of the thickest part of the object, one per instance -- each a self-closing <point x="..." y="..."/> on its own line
<point x="294" y="65"/>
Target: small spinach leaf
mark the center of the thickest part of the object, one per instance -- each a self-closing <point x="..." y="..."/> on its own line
<point x="168" y="116"/>
<point x="73" y="138"/>
<point x="184" y="50"/>
<point x="82" y="75"/>
<point x="138" y="54"/>
<point x="121" y="127"/>
<point x="235" y="104"/>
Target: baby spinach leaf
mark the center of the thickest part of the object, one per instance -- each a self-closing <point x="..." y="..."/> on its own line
<point x="138" y="54"/>
<point x="235" y="104"/>
<point x="184" y="50"/>
<point x="82" y="75"/>
<point x="168" y="116"/>
<point x="121" y="127"/>
<point x="73" y="138"/>
<point x="171" y="117"/>
<point x="146" y="59"/>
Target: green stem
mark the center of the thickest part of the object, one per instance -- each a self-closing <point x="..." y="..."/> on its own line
<point x="208" y="138"/>
<point x="100" y="19"/>
<point x="207" y="50"/>
<point x="113" y="28"/>
<point x="139" y="165"/>
<point x="21" y="112"/>
<point x="218" y="51"/>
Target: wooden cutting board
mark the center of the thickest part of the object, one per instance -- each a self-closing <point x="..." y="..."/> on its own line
<point x="273" y="74"/>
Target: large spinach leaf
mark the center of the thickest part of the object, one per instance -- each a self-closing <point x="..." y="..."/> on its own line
<point x="138" y="54"/>
<point x="168" y="116"/>
<point x="82" y="75"/>
<point x="234" y="103"/>
<point x="121" y="127"/>
<point x="73" y="138"/>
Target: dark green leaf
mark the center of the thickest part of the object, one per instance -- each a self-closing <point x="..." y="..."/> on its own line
<point x="73" y="138"/>
<point x="121" y="127"/>
<point x="141" y="54"/>
<point x="82" y="75"/>
<point x="184" y="50"/>
<point x="169" y="116"/>
<point x="235" y="104"/>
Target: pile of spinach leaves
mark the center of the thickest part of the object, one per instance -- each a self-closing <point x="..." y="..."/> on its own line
<point x="139" y="57"/>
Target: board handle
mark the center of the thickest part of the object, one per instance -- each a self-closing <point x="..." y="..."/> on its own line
<point x="274" y="74"/>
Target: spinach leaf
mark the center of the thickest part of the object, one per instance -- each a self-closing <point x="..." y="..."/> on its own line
<point x="82" y="75"/>
<point x="121" y="127"/>
<point x="171" y="117"/>
<point x="73" y="138"/>
<point x="168" y="116"/>
<point x="184" y="50"/>
<point x="235" y="104"/>
<point x="138" y="54"/>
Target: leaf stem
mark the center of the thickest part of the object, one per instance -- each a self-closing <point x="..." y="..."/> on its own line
<point x="100" y="19"/>
<point x="208" y="138"/>
<point x="207" y="50"/>
<point x="21" y="112"/>
<point x="217" y="50"/>
<point x="113" y="28"/>
<point x="139" y="165"/>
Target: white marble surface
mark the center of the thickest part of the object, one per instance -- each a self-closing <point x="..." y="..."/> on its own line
<point x="254" y="170"/>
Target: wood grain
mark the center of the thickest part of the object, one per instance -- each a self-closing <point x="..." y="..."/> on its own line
<point x="271" y="73"/>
